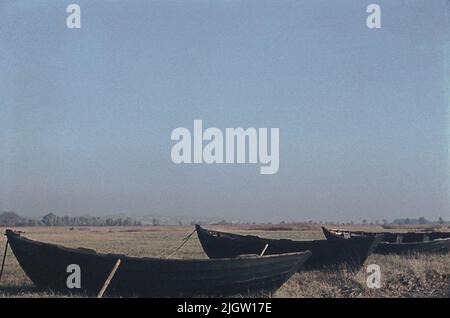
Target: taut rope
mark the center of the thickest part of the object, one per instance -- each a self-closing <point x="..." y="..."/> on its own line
<point x="4" y="258"/>
<point x="182" y="243"/>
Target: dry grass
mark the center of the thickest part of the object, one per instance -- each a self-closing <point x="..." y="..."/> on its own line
<point x="412" y="276"/>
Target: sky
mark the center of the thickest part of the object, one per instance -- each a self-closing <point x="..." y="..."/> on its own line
<point x="86" y="114"/>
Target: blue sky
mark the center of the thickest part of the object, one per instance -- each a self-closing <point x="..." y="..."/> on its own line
<point x="87" y="114"/>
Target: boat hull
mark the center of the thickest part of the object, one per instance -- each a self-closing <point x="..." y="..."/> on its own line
<point x="325" y="254"/>
<point x="411" y="243"/>
<point x="46" y="265"/>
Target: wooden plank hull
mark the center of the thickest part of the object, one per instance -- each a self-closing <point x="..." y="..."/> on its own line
<point x="433" y="242"/>
<point x="351" y="254"/>
<point x="46" y="265"/>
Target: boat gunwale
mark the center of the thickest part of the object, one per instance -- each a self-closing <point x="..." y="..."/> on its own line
<point x="255" y="237"/>
<point x="91" y="252"/>
<point x="338" y="233"/>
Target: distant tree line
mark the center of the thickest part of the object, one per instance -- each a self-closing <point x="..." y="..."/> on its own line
<point x="420" y="220"/>
<point x="10" y="218"/>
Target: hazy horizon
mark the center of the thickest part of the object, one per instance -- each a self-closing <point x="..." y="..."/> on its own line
<point x="174" y="219"/>
<point x="363" y="115"/>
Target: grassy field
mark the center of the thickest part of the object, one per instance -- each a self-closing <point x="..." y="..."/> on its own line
<point x="411" y="276"/>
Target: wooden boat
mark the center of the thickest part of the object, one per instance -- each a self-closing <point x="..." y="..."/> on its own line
<point x="350" y="253"/>
<point x="46" y="265"/>
<point x="399" y="243"/>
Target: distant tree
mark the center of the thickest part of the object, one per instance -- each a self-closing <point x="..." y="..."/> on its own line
<point x="364" y="221"/>
<point x="422" y="220"/>
<point x="59" y="221"/>
<point x="49" y="219"/>
<point x="441" y="220"/>
<point x="9" y="218"/>
<point x="66" y="220"/>
<point x="385" y="222"/>
<point x="127" y="222"/>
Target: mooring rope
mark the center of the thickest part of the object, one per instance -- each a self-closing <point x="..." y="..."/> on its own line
<point x="182" y="243"/>
<point x="4" y="258"/>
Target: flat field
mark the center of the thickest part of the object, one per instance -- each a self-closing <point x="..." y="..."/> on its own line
<point x="401" y="276"/>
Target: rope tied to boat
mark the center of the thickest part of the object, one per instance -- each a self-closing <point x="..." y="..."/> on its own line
<point x="4" y="258"/>
<point x="182" y="243"/>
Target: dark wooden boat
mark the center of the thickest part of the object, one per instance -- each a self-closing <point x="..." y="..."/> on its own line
<point x="46" y="265"/>
<point x="399" y="243"/>
<point x="350" y="253"/>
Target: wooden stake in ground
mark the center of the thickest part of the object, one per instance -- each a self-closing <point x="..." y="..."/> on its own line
<point x="108" y="280"/>
<point x="264" y="250"/>
<point x="3" y="261"/>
